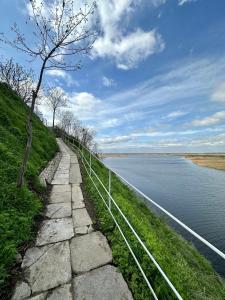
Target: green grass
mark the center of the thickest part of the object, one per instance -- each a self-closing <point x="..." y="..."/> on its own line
<point x="19" y="207"/>
<point x="188" y="270"/>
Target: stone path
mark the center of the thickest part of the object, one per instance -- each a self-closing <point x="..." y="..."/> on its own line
<point x="70" y="259"/>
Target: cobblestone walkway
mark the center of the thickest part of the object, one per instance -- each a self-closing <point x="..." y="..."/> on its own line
<point x="70" y="259"/>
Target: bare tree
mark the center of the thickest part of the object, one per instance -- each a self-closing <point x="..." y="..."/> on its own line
<point x="61" y="31"/>
<point x="87" y="136"/>
<point x="66" y="121"/>
<point x="56" y="99"/>
<point x="76" y="128"/>
<point x="17" y="78"/>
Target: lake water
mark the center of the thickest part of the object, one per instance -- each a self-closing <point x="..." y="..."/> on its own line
<point x="194" y="194"/>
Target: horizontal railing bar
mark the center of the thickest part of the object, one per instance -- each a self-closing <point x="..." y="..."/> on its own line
<point x="126" y="241"/>
<point x="136" y="235"/>
<point x="203" y="240"/>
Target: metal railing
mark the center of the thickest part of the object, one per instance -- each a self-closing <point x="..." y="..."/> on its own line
<point x="90" y="171"/>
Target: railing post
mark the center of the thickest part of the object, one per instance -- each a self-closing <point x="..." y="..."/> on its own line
<point x="90" y="163"/>
<point x="82" y="151"/>
<point x="109" y="190"/>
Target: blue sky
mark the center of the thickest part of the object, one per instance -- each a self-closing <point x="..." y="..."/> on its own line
<point x="155" y="79"/>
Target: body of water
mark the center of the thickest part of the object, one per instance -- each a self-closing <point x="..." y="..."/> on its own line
<point x="194" y="194"/>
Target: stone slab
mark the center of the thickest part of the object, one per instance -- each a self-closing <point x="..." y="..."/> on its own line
<point x="33" y="254"/>
<point x="62" y="176"/>
<point x="78" y="205"/>
<point x="83" y="229"/>
<point x="77" y="197"/>
<point x="60" y="197"/>
<point x="55" y="230"/>
<point x="41" y="296"/>
<point x="58" y="210"/>
<point x="75" y="176"/>
<point x="89" y="251"/>
<point x="22" y="291"/>
<point x="61" y="293"/>
<point x="52" y="269"/>
<point x="60" y="181"/>
<point x="105" y="283"/>
<point x="73" y="159"/>
<point x="56" y="189"/>
<point x="81" y="218"/>
<point x="61" y="172"/>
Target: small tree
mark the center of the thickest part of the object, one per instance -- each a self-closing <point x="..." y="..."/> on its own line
<point x="56" y="99"/>
<point x="61" y="31"/>
<point x="87" y="137"/>
<point x="66" y="121"/>
<point x="76" y="128"/>
<point x="17" y="78"/>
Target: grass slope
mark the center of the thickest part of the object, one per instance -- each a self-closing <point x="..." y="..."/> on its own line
<point x="188" y="270"/>
<point x="18" y="208"/>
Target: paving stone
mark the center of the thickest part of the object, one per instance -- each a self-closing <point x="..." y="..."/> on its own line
<point x="61" y="172"/>
<point x="60" y="181"/>
<point x="62" y="176"/>
<point x="73" y="159"/>
<point x="81" y="217"/>
<point x="22" y="290"/>
<point x="77" y="197"/>
<point x="60" y="197"/>
<point x="55" y="230"/>
<point x="33" y="254"/>
<point x="84" y="229"/>
<point x="75" y="176"/>
<point x="61" y="293"/>
<point x="78" y="205"/>
<point x="89" y="252"/>
<point x="58" y="210"/>
<point x="51" y="269"/>
<point x="41" y="296"/>
<point x="56" y="189"/>
<point x="105" y="283"/>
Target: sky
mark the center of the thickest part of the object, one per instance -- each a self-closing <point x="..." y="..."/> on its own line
<point x="154" y="80"/>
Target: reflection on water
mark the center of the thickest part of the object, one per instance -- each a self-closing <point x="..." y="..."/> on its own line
<point x="195" y="195"/>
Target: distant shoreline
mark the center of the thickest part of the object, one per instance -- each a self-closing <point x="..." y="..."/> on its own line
<point x="209" y="160"/>
<point x="216" y="161"/>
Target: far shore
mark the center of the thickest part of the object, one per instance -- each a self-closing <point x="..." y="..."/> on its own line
<point x="215" y="161"/>
<point x="209" y="160"/>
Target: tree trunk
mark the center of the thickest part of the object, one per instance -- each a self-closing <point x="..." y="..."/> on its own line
<point x="20" y="180"/>
<point x="53" y="121"/>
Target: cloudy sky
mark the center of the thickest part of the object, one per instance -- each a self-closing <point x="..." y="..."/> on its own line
<point x="155" y="79"/>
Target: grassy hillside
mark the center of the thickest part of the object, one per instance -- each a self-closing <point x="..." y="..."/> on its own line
<point x="188" y="270"/>
<point x="18" y="208"/>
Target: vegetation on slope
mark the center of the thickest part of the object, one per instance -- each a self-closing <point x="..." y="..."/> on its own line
<point x="188" y="270"/>
<point x="19" y="207"/>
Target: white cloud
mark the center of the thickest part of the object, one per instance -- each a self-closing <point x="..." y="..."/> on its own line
<point x="211" y="120"/>
<point x="179" y="83"/>
<point x="39" y="6"/>
<point x="110" y="123"/>
<point x="84" y="101"/>
<point x="176" y="114"/>
<point x="127" y="49"/>
<point x="182" y="2"/>
<point x="113" y="140"/>
<point x="84" y="105"/>
<point x="65" y="76"/>
<point x="108" y="82"/>
<point x="219" y="93"/>
<point x="57" y="73"/>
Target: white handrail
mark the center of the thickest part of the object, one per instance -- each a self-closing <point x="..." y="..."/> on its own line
<point x="203" y="240"/>
<point x="125" y="239"/>
<point x="130" y="226"/>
